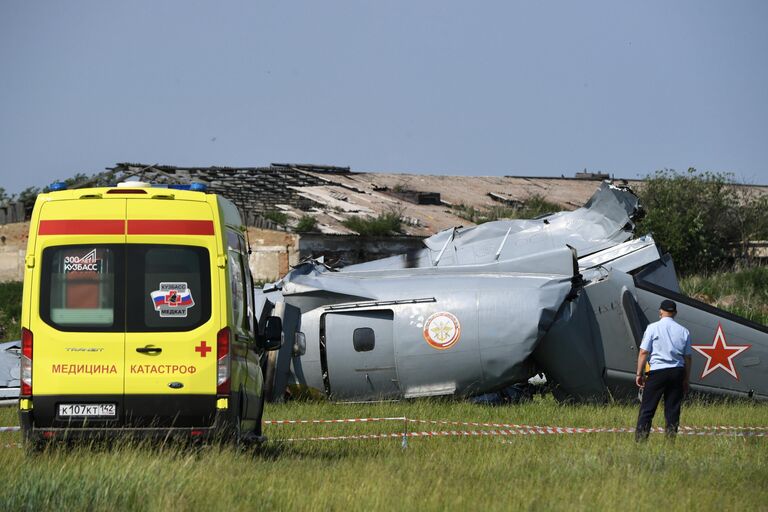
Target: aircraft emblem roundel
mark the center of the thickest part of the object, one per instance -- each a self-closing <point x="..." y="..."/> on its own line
<point x="442" y="330"/>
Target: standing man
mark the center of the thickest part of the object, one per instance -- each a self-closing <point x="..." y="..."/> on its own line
<point x="669" y="346"/>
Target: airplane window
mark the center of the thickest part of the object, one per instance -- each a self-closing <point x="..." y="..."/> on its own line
<point x="363" y="339"/>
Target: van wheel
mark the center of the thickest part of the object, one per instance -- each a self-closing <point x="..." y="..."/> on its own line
<point x="35" y="448"/>
<point x="34" y="445"/>
<point x="237" y="423"/>
<point x="253" y="437"/>
<point x="259" y="417"/>
<point x="243" y="435"/>
<point x="237" y="436"/>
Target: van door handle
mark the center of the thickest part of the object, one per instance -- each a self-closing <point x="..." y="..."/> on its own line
<point x="149" y="350"/>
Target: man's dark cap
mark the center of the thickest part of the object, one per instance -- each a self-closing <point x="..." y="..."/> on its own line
<point x="668" y="305"/>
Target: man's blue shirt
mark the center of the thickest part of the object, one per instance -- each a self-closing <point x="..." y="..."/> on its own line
<point x="668" y="342"/>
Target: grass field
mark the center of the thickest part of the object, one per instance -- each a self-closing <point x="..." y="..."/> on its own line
<point x="541" y="472"/>
<point x="743" y="292"/>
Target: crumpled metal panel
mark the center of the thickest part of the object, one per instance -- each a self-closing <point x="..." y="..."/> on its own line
<point x="571" y="355"/>
<point x="606" y="220"/>
<point x="10" y="354"/>
<point x="627" y="256"/>
<point x="518" y="318"/>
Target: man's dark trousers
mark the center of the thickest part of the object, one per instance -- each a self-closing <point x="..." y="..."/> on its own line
<point x="669" y="383"/>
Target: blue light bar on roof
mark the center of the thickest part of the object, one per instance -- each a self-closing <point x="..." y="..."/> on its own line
<point x="194" y="187"/>
<point x="57" y="185"/>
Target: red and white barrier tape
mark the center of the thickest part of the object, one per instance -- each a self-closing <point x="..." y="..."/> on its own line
<point x="496" y="425"/>
<point x="510" y="425"/>
<point x="345" y="420"/>
<point x="511" y="432"/>
<point x="506" y="429"/>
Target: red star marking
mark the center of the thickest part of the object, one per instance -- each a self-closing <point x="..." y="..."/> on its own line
<point x="203" y="349"/>
<point x="720" y="354"/>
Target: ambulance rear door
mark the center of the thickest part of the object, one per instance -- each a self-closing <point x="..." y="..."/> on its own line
<point x="77" y="311"/>
<point x="173" y="315"/>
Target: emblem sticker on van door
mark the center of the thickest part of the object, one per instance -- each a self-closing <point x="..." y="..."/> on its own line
<point x="87" y="263"/>
<point x="172" y="300"/>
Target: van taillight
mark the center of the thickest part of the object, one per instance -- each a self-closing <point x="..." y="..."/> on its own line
<point x="26" y="362"/>
<point x="222" y="365"/>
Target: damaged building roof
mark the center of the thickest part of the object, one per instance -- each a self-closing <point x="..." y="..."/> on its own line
<point x="332" y="195"/>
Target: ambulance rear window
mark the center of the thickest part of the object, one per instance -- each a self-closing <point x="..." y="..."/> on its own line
<point x="78" y="287"/>
<point x="169" y="287"/>
<point x="132" y="287"/>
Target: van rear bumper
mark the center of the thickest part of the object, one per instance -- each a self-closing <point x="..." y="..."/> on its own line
<point x="140" y="413"/>
<point x="35" y="434"/>
<point x="41" y="434"/>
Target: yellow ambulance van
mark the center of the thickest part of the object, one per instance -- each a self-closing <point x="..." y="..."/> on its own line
<point x="138" y="317"/>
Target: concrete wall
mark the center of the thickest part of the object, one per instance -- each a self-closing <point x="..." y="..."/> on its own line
<point x="11" y="263"/>
<point x="12" y="212"/>
<point x="269" y="263"/>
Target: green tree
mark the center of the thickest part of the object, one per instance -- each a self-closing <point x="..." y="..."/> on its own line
<point x="535" y="206"/>
<point x="384" y="224"/>
<point x="10" y="310"/>
<point x="699" y="217"/>
<point x="306" y="224"/>
<point x="751" y="221"/>
<point x="276" y="216"/>
<point x="75" y="180"/>
<point x="29" y="194"/>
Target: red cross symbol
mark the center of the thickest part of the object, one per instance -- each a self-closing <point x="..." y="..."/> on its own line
<point x="203" y="349"/>
<point x="172" y="298"/>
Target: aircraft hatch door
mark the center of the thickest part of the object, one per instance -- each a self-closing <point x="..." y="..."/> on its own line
<point x="361" y="355"/>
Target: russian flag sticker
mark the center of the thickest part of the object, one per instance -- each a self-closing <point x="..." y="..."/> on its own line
<point x="172" y="300"/>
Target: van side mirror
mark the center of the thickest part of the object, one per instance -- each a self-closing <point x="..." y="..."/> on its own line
<point x="273" y="333"/>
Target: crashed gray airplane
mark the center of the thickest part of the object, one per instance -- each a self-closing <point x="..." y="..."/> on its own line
<point x="480" y="309"/>
<point x="10" y="354"/>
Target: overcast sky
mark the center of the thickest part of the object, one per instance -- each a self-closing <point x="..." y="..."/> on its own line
<point x="475" y="88"/>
